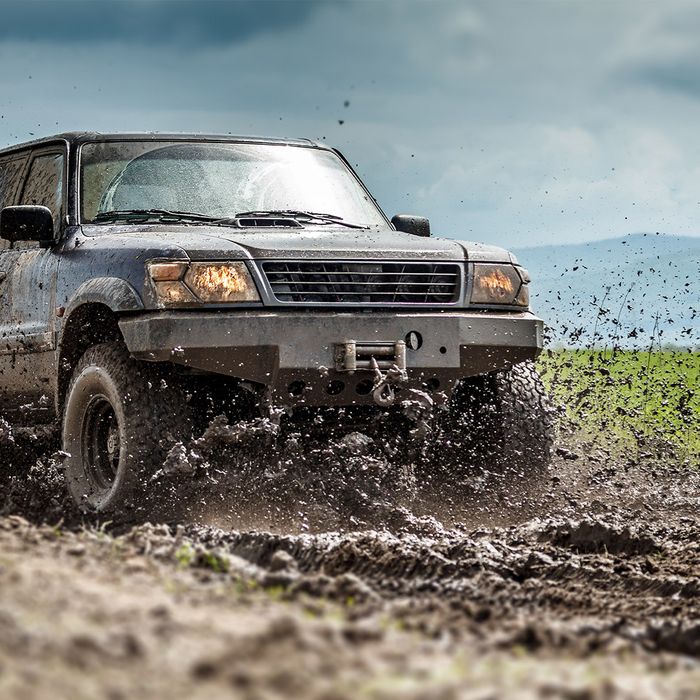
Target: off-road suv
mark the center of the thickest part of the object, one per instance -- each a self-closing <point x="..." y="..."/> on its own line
<point x="149" y="282"/>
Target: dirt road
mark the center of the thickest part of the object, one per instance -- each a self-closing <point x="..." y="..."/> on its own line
<point x="585" y="588"/>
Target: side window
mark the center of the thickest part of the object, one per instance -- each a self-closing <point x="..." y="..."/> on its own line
<point x="44" y="184"/>
<point x="10" y="174"/>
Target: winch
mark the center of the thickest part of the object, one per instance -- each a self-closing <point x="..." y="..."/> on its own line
<point x="385" y="359"/>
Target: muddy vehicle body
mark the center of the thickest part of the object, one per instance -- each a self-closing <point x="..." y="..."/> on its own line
<point x="136" y="270"/>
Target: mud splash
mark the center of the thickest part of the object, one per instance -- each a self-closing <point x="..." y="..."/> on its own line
<point x="31" y="475"/>
<point x="254" y="474"/>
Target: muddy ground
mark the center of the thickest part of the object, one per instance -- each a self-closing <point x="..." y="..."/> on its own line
<point x="273" y="585"/>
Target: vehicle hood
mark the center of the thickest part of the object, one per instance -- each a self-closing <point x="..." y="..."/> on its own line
<point x="317" y="242"/>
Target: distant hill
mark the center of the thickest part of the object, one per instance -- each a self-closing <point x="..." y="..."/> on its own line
<point x="632" y="291"/>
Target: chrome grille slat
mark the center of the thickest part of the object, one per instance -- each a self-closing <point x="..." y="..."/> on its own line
<point x="363" y="282"/>
<point x="376" y="284"/>
<point x="384" y="294"/>
<point x="374" y="274"/>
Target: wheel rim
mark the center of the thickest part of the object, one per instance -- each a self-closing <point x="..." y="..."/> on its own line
<point x="101" y="443"/>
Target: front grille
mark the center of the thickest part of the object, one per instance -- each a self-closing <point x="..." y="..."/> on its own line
<point x="307" y="282"/>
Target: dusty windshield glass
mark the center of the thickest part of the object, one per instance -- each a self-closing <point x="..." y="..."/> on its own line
<point x="219" y="180"/>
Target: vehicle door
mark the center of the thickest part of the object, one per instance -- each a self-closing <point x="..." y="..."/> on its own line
<point x="12" y="168"/>
<point x="31" y="276"/>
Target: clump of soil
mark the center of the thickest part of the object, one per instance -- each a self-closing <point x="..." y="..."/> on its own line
<point x="31" y="475"/>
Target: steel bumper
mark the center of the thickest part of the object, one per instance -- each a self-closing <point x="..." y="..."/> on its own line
<point x="277" y="348"/>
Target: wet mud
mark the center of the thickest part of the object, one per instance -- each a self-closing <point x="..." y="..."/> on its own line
<point x="309" y="569"/>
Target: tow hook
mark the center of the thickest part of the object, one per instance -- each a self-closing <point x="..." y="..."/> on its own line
<point x="383" y="391"/>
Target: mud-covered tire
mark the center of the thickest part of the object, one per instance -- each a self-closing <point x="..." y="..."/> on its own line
<point x="503" y="421"/>
<point x="120" y="418"/>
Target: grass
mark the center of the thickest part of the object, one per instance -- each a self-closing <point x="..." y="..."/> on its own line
<point x="638" y="400"/>
<point x="188" y="556"/>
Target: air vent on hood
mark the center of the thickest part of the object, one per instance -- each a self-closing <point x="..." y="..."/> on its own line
<point x="265" y="222"/>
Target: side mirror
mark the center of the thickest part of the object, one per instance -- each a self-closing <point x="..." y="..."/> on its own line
<point x="26" y="223"/>
<point x="415" y="225"/>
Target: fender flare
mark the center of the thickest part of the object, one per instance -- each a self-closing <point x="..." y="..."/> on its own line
<point x="115" y="293"/>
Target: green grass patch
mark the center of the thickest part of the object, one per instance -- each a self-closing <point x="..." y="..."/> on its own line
<point x="643" y="401"/>
<point x="188" y="556"/>
<point x="185" y="555"/>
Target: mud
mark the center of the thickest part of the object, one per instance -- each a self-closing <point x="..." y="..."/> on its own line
<point x="295" y="572"/>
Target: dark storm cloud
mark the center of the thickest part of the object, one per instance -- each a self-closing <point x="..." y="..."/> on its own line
<point x="666" y="54"/>
<point x="681" y="76"/>
<point x="192" y="22"/>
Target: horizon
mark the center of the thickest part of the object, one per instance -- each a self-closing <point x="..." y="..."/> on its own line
<point x="634" y="234"/>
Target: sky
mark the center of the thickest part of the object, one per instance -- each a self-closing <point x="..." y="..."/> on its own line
<point x="515" y="123"/>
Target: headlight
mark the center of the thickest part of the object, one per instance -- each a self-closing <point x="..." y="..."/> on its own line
<point x="500" y="284"/>
<point x="182" y="284"/>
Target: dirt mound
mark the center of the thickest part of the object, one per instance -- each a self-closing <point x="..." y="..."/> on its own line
<point x="595" y="536"/>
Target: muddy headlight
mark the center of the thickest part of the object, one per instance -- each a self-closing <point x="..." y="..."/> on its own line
<point x="181" y="283"/>
<point x="500" y="284"/>
<point x="221" y="283"/>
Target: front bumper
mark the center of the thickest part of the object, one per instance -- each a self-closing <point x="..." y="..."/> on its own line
<point x="295" y="353"/>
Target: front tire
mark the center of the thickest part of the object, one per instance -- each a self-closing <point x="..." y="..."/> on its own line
<point x="120" y="418"/>
<point x="503" y="422"/>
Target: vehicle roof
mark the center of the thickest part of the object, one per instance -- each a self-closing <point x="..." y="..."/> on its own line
<point x="76" y="138"/>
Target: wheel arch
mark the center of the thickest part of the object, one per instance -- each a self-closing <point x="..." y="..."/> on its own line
<point x="89" y="323"/>
<point x="91" y="317"/>
<point x="116" y="294"/>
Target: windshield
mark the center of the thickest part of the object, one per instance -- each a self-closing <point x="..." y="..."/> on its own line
<point x="219" y="180"/>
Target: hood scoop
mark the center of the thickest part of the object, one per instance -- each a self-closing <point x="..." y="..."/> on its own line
<point x="267" y="222"/>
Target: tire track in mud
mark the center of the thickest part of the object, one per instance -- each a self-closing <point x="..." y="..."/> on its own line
<point x="170" y="612"/>
<point x="536" y="579"/>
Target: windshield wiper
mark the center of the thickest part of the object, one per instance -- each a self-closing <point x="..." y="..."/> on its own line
<point x="307" y="216"/>
<point x="159" y="215"/>
<point x="165" y="215"/>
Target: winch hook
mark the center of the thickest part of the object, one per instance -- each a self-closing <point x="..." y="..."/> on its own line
<point x="383" y="391"/>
